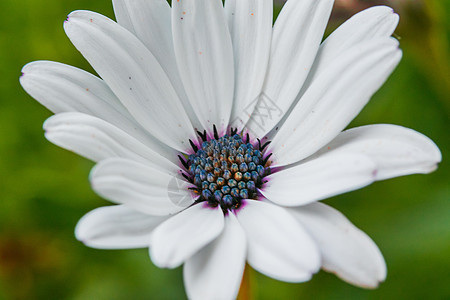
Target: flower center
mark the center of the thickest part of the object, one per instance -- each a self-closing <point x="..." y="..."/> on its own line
<point x="226" y="169"/>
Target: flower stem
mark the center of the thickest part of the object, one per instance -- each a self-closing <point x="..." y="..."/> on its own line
<point x="245" y="291"/>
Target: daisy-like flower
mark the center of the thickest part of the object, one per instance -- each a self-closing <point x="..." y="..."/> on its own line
<point x="218" y="133"/>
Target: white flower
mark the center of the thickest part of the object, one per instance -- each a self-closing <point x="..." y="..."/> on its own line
<point x="175" y="81"/>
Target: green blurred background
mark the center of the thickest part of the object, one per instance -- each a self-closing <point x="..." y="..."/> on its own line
<point x="44" y="190"/>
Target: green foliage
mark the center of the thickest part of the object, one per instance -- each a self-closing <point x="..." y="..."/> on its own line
<point x="44" y="189"/>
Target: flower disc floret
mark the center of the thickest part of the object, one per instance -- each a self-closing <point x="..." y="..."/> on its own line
<point x="227" y="169"/>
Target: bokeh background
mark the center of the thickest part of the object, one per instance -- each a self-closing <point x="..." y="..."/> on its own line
<point x="44" y="190"/>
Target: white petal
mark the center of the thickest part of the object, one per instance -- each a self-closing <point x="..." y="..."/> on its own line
<point x="277" y="245"/>
<point x="62" y="88"/>
<point x="320" y="178"/>
<point x="396" y="150"/>
<point x="150" y="21"/>
<point x="180" y="237"/>
<point x="215" y="272"/>
<point x="133" y="74"/>
<point x="116" y="227"/>
<point x="372" y="23"/>
<point x="96" y="139"/>
<point x="250" y="23"/>
<point x="346" y="250"/>
<point x="334" y="99"/>
<point x="205" y="59"/>
<point x="297" y="34"/>
<point x="140" y="186"/>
